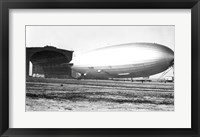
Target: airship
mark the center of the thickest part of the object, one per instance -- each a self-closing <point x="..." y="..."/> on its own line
<point x="124" y="61"/>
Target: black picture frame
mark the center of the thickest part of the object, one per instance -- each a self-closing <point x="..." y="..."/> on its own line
<point x="5" y="5"/>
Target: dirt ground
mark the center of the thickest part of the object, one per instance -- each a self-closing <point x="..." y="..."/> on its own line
<point x="97" y="95"/>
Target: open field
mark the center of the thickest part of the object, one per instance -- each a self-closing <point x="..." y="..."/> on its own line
<point x="97" y="95"/>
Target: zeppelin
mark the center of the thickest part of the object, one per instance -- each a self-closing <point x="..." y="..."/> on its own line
<point x="124" y="61"/>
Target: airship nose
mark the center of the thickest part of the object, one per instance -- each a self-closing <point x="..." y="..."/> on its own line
<point x="169" y="56"/>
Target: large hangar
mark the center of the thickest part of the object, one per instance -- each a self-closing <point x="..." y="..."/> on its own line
<point x="48" y="62"/>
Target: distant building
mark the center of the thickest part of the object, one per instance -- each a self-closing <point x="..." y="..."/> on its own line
<point x="48" y="62"/>
<point x="169" y="78"/>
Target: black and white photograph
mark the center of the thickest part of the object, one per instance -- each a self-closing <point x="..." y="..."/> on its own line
<point x="100" y="68"/>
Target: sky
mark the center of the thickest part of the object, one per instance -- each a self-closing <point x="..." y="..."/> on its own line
<point x="81" y="39"/>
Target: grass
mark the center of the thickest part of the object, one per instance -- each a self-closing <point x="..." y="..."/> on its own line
<point x="97" y="95"/>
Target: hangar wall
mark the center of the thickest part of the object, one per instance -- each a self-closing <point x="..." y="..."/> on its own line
<point x="48" y="62"/>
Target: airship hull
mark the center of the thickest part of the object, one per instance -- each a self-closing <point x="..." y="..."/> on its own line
<point x="124" y="61"/>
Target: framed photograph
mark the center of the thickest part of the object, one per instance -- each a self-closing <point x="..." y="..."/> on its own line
<point x="104" y="68"/>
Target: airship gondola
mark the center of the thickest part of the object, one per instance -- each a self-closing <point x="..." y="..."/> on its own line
<point x="124" y="61"/>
